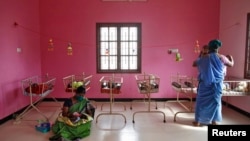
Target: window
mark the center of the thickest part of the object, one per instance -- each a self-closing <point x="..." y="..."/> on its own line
<point x="118" y="47"/>
<point x="247" y="55"/>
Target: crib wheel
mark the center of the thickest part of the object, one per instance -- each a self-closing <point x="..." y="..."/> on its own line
<point x="133" y="121"/>
<point x="164" y="121"/>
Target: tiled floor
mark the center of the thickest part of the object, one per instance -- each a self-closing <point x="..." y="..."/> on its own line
<point x="119" y="126"/>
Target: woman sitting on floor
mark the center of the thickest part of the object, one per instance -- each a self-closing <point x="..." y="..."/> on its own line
<point x="75" y="119"/>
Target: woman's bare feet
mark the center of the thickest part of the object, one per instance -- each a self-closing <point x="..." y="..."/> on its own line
<point x="196" y="124"/>
<point x="214" y="123"/>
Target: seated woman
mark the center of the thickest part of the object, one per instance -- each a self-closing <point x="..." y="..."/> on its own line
<point x="75" y="120"/>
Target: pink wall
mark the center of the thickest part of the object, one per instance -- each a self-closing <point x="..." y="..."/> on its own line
<point x="165" y="24"/>
<point x="233" y="21"/>
<point x="17" y="66"/>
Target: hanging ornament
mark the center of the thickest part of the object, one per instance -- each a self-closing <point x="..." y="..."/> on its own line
<point x="178" y="57"/>
<point x="69" y="49"/>
<point x="51" y="45"/>
<point x="197" y="47"/>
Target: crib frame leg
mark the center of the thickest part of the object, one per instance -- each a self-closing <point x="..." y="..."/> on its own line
<point x="144" y="100"/>
<point x="111" y="114"/>
<point x="189" y="108"/>
<point x="111" y="111"/>
<point x="112" y="102"/>
<point x="29" y="108"/>
<point x="149" y="110"/>
<point x="175" y="115"/>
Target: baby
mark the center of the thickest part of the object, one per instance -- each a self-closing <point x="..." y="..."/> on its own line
<point x="204" y="51"/>
<point x="228" y="59"/>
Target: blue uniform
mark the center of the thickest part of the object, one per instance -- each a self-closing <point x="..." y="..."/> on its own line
<point x="208" y="101"/>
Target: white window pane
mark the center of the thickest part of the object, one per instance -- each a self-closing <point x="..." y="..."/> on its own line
<point x="133" y="63"/>
<point x="112" y="33"/>
<point x="104" y="63"/>
<point x="124" y="62"/>
<point x="133" y="33"/>
<point x="104" y="34"/>
<point x="113" y="48"/>
<point x="124" y="34"/>
<point x="124" y="48"/>
<point x="104" y="48"/>
<point x="133" y="48"/>
<point x="113" y="62"/>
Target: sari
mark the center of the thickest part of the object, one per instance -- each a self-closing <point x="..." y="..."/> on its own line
<point x="208" y="100"/>
<point x="71" y="130"/>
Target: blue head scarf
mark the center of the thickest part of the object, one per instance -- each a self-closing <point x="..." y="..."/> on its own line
<point x="214" y="44"/>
